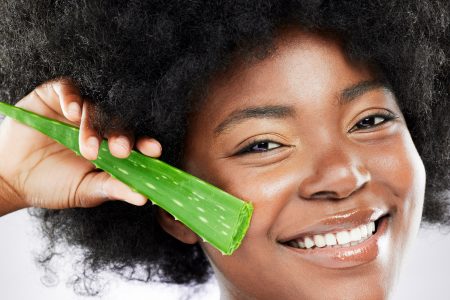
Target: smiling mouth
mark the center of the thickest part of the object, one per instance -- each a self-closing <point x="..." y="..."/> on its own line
<point x="346" y="239"/>
<point x="343" y="238"/>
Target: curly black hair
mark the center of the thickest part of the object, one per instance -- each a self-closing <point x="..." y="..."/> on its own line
<point x="143" y="63"/>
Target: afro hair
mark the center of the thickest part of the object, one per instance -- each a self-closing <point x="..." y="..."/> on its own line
<point x="143" y="63"/>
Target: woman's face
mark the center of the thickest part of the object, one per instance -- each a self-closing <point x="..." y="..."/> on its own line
<point x="321" y="149"/>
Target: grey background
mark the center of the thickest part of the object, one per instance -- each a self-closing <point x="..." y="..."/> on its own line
<point x="425" y="275"/>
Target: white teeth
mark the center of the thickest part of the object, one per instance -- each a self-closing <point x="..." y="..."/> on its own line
<point x="355" y="234"/>
<point x="363" y="229"/>
<point x="319" y="240"/>
<point x="309" y="243"/>
<point x="343" y="237"/>
<point x="330" y="239"/>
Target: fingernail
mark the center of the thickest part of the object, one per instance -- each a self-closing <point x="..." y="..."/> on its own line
<point x="156" y="147"/>
<point x="92" y="143"/>
<point x="74" y="109"/>
<point x="122" y="142"/>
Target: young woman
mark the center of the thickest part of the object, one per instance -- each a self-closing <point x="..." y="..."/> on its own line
<point x="323" y="115"/>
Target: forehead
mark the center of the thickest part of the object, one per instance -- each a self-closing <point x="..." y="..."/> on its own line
<point x="304" y="68"/>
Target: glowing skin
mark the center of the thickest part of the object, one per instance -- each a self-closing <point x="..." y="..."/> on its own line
<point x="317" y="166"/>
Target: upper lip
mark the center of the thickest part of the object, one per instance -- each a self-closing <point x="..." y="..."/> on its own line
<point x="344" y="220"/>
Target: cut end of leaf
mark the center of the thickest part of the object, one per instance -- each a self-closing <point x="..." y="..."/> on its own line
<point x="243" y="225"/>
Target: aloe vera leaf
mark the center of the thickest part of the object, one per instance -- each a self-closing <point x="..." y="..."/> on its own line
<point x="216" y="216"/>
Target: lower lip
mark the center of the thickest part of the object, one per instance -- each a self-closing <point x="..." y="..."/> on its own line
<point x="345" y="257"/>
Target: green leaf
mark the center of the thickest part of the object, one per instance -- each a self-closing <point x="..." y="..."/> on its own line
<point x="216" y="216"/>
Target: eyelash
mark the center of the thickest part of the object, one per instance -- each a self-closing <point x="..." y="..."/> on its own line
<point x="248" y="149"/>
<point x="387" y="116"/>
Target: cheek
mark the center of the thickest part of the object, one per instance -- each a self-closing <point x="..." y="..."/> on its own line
<point x="398" y="167"/>
<point x="398" y="174"/>
<point x="268" y="190"/>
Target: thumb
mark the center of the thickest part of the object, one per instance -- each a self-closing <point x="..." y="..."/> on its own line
<point x="99" y="187"/>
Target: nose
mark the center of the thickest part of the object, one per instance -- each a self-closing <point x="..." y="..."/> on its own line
<point x="334" y="174"/>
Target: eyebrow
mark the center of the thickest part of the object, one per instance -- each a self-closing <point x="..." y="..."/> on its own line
<point x="354" y="91"/>
<point x="286" y="111"/>
<point x="259" y="112"/>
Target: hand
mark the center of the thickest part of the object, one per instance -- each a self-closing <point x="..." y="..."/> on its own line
<point x="45" y="174"/>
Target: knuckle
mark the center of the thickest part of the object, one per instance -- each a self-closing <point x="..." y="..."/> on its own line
<point x="104" y="186"/>
<point x="78" y="197"/>
<point x="82" y="202"/>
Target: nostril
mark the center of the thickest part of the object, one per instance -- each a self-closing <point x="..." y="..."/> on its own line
<point x="332" y="195"/>
<point x="335" y="195"/>
<point x="325" y="195"/>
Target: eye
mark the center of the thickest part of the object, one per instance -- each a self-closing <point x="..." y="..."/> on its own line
<point x="373" y="121"/>
<point x="259" y="146"/>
